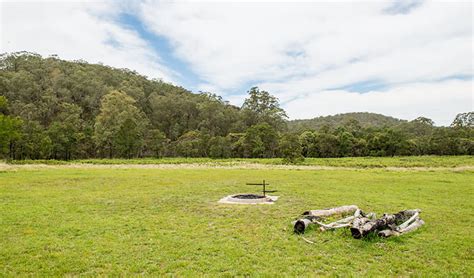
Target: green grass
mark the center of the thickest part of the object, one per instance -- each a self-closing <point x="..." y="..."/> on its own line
<point x="360" y="162"/>
<point x="167" y="221"/>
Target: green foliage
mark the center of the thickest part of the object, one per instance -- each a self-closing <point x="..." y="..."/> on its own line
<point x="120" y="125"/>
<point x="10" y="132"/>
<point x="157" y="142"/>
<point x="10" y="129"/>
<point x="364" y="119"/>
<point x="189" y="144"/>
<point x="464" y="120"/>
<point x="3" y="105"/>
<point x="261" y="107"/>
<point x="65" y="133"/>
<point x="55" y="109"/>
<point x="260" y="140"/>
<point x="290" y="149"/>
<point x="220" y="147"/>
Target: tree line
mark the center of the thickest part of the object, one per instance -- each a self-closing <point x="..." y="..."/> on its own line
<point x="55" y="109"/>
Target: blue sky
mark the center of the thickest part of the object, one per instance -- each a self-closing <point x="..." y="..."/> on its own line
<point x="159" y="44"/>
<point x="400" y="58"/>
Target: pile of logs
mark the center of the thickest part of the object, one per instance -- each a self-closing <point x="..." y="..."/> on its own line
<point x="361" y="224"/>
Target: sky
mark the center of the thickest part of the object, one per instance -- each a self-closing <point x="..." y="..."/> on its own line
<point x="399" y="58"/>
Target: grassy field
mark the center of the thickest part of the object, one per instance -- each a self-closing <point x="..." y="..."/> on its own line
<point x="359" y="162"/>
<point x="168" y="221"/>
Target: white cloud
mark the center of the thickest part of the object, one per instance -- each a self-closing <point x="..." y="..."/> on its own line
<point x="298" y="50"/>
<point x="75" y="30"/>
<point x="439" y="101"/>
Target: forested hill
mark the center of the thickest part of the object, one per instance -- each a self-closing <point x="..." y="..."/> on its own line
<point x="56" y="109"/>
<point x="68" y="109"/>
<point x="365" y="119"/>
<point x="44" y="90"/>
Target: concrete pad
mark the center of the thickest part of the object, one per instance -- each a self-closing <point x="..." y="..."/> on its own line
<point x="268" y="200"/>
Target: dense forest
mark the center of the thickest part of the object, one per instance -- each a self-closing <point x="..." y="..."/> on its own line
<point x="365" y="120"/>
<point x="56" y="109"/>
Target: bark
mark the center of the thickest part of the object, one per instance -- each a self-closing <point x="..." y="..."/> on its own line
<point x="413" y="226"/>
<point x="345" y="222"/>
<point x="301" y="225"/>
<point x="332" y="211"/>
<point x="312" y="216"/>
<point x="409" y="221"/>
<point x="357" y="226"/>
<point x="362" y="224"/>
<point x="325" y="227"/>
<point x="361" y="227"/>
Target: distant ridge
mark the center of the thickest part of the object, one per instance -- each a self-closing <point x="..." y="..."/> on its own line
<point x="365" y="119"/>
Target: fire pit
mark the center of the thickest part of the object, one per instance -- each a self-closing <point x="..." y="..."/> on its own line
<point x="250" y="198"/>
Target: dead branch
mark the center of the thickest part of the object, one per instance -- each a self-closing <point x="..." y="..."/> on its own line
<point x="307" y="240"/>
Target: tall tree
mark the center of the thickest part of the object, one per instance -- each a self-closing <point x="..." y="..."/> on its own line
<point x="157" y="142"/>
<point x="290" y="148"/>
<point x="189" y="144"/>
<point x="260" y="141"/>
<point x="464" y="120"/>
<point x="220" y="147"/>
<point x="120" y="125"/>
<point x="262" y="107"/>
<point x="66" y="131"/>
<point x="10" y="129"/>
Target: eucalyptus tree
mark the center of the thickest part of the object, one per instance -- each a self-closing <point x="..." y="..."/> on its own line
<point x="262" y="107"/>
<point x="120" y="126"/>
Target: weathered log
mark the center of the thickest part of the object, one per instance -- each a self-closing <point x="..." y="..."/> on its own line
<point x="370" y="215"/>
<point x="363" y="226"/>
<point x="323" y="227"/>
<point x="416" y="214"/>
<point x="341" y="223"/>
<point x="357" y="225"/>
<point x="301" y="225"/>
<point x="311" y="216"/>
<point x="413" y="226"/>
<point x="332" y="211"/>
<point x="363" y="229"/>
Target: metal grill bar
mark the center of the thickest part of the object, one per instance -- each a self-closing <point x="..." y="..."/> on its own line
<point x="263" y="184"/>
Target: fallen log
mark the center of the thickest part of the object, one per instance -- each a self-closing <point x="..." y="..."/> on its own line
<point x="341" y="223"/>
<point x="415" y="216"/>
<point x="332" y="211"/>
<point x="361" y="227"/>
<point x="312" y="216"/>
<point x="360" y="223"/>
<point x="301" y="225"/>
<point x="403" y="229"/>
<point x="323" y="227"/>
<point x="413" y="226"/>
